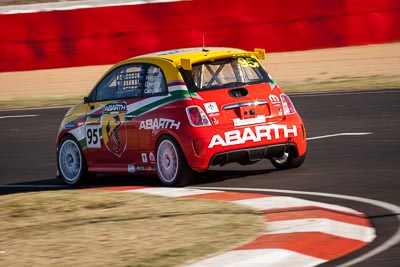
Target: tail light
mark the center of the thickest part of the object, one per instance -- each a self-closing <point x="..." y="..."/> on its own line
<point x="288" y="107"/>
<point x="197" y="117"/>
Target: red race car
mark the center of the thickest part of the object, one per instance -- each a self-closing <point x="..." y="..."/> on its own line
<point x="176" y="113"/>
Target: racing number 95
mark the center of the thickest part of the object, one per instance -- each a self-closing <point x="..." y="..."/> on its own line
<point x="248" y="62"/>
<point x="93" y="136"/>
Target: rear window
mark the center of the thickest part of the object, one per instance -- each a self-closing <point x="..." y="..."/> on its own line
<point x="224" y="73"/>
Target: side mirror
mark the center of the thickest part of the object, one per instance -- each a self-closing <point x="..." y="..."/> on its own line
<point x="86" y="100"/>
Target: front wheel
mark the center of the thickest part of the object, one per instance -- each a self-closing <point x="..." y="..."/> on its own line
<point x="71" y="162"/>
<point x="288" y="160"/>
<point x="171" y="165"/>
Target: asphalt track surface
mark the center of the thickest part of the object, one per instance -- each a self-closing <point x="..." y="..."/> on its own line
<point x="357" y="153"/>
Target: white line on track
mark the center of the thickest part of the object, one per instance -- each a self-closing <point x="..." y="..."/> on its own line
<point x="18" y="116"/>
<point x="37" y="108"/>
<point x="392" y="241"/>
<point x="335" y="135"/>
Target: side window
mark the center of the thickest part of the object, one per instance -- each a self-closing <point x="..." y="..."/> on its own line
<point x="133" y="80"/>
<point x="124" y="82"/>
<point x="155" y="81"/>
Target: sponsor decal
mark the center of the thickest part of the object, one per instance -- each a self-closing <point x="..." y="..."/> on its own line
<point x="144" y="158"/>
<point x="152" y="158"/>
<point x="275" y="100"/>
<point x="115" y="107"/>
<point x="114" y="129"/>
<point x="69" y="125"/>
<point x="240" y="122"/>
<point x="93" y="119"/>
<point x="260" y="133"/>
<point x="159" y="123"/>
<point x="211" y="107"/>
<point x="131" y="168"/>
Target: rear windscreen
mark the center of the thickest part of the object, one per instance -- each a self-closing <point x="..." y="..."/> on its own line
<point x="224" y="73"/>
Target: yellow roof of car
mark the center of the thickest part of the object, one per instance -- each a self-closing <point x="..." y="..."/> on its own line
<point x="187" y="56"/>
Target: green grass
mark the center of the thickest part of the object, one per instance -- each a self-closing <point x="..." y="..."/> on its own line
<point x="99" y="228"/>
<point x="334" y="84"/>
<point x="39" y="101"/>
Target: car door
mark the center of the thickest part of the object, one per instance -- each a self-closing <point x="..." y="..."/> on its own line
<point x="111" y="127"/>
<point x="151" y="115"/>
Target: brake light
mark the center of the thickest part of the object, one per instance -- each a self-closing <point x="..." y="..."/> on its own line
<point x="288" y="107"/>
<point x="197" y="117"/>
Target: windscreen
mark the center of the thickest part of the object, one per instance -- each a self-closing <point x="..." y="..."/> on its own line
<point x="224" y="73"/>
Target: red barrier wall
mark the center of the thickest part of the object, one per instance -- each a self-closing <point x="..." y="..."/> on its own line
<point x="108" y="34"/>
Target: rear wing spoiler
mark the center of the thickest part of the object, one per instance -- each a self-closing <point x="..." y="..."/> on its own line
<point x="259" y="53"/>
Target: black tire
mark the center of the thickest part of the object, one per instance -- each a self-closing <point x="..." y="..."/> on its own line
<point x="171" y="165"/>
<point x="288" y="160"/>
<point x="71" y="162"/>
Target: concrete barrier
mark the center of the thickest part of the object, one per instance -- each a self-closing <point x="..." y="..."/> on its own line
<point x="104" y="35"/>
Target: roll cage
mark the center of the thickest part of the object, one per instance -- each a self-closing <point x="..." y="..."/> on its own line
<point x="224" y="73"/>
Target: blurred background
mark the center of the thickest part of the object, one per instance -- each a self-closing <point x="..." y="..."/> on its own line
<point x="53" y="52"/>
<point x="22" y="2"/>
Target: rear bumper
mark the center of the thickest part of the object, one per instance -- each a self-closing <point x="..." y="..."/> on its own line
<point x="244" y="145"/>
<point x="251" y="155"/>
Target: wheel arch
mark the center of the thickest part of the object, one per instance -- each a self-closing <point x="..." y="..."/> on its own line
<point x="175" y="137"/>
<point x="62" y="135"/>
<point x="65" y="135"/>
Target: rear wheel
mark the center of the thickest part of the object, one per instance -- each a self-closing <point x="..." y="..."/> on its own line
<point x="288" y="160"/>
<point x="71" y="162"/>
<point x="171" y="165"/>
